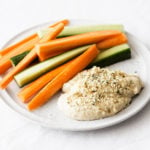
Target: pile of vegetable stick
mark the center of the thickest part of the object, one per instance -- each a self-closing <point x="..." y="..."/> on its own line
<point x="43" y="88"/>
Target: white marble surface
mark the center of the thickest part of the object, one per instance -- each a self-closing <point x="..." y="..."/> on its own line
<point x="17" y="133"/>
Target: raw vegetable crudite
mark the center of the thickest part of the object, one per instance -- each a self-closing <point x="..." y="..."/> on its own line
<point x="74" y="30"/>
<point x="5" y="63"/>
<point x="47" y="50"/>
<point x="103" y="45"/>
<point x="105" y="58"/>
<point x="52" y="87"/>
<point x="16" y="59"/>
<point x="32" y="73"/>
<point x="112" y="55"/>
<point x="30" y="90"/>
<point x="12" y="47"/>
<point x="113" y="41"/>
<point x="31" y="55"/>
<point x="20" y="47"/>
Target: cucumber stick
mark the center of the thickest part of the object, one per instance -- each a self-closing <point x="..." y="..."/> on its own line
<point x="16" y="59"/>
<point x="32" y="73"/>
<point x="73" y="30"/>
<point x="112" y="55"/>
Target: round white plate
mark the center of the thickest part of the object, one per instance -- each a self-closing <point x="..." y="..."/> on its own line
<point x="50" y="116"/>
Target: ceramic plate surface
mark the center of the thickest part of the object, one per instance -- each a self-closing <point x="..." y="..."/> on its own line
<point x="50" y="116"/>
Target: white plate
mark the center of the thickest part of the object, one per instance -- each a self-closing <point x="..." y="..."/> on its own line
<point x="50" y="116"/>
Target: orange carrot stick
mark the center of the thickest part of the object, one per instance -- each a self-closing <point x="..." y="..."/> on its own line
<point x="52" y="87"/>
<point x="47" y="50"/>
<point x="113" y="41"/>
<point x="10" y="48"/>
<point x="30" y="57"/>
<point x="52" y="34"/>
<point x="30" y="90"/>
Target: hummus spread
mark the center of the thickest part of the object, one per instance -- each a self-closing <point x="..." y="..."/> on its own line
<point x="97" y="93"/>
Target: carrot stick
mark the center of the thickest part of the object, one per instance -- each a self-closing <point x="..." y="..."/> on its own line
<point x="26" y="93"/>
<point x="113" y="41"/>
<point x="30" y="57"/>
<point x="47" y="50"/>
<point x="52" y="34"/>
<point x="12" y="47"/>
<point x="52" y="87"/>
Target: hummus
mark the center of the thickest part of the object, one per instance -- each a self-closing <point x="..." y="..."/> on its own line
<point x="97" y="93"/>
